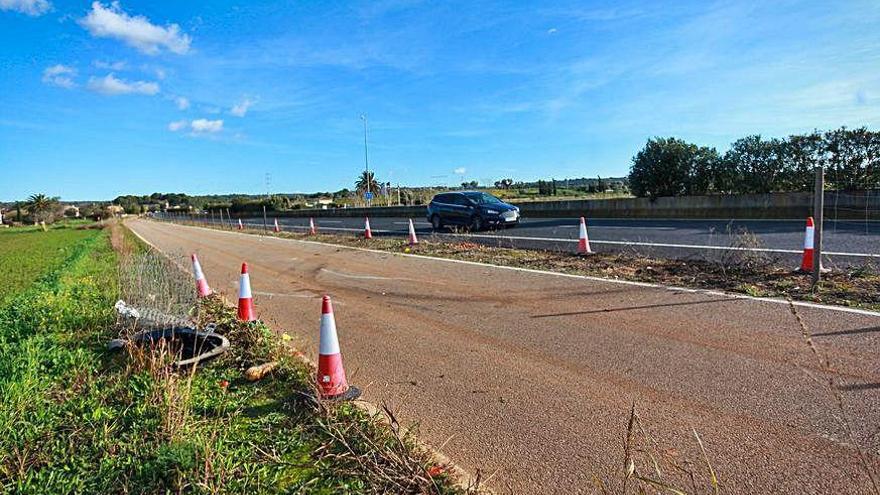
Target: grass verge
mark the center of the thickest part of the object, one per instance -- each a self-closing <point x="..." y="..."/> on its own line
<point x="78" y="418"/>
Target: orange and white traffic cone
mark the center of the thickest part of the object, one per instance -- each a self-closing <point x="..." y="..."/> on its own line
<point x="583" y="240"/>
<point x="312" y="229"/>
<point x="245" y="297"/>
<point x="240" y="226"/>
<point x="201" y="282"/>
<point x="331" y="375"/>
<point x="809" y="248"/>
<point x="368" y="234"/>
<point x="277" y="228"/>
<point x="413" y="240"/>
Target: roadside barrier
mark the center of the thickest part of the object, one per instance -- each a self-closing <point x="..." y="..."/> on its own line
<point x="201" y="283"/>
<point x="245" y="297"/>
<point x="368" y="234"/>
<point x="240" y="226"/>
<point x="413" y="240"/>
<point x="583" y="240"/>
<point x="277" y="228"/>
<point x="331" y="374"/>
<point x="312" y="229"/>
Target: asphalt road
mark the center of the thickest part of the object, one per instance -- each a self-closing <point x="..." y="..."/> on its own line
<point x="531" y="376"/>
<point x="846" y="242"/>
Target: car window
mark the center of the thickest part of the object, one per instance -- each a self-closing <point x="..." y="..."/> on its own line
<point x="482" y="198"/>
<point x="461" y="200"/>
<point x="441" y="198"/>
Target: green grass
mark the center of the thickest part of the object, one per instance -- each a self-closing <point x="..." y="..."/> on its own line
<point x="27" y="253"/>
<point x="78" y="418"/>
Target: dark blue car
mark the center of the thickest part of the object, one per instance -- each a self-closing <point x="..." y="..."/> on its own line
<point x="473" y="209"/>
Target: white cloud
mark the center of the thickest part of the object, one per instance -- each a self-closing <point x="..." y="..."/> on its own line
<point x="460" y="171"/>
<point x="137" y="31"/>
<point x="59" y="75"/>
<point x="29" y="7"/>
<point x="110" y="85"/>
<point x="177" y="125"/>
<point x="181" y="102"/>
<point x="205" y="125"/>
<point x="552" y="31"/>
<point x="109" y="65"/>
<point x="199" y="127"/>
<point x="240" y="109"/>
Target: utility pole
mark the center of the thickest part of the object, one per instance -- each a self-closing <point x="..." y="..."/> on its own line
<point x="265" y="222"/>
<point x="818" y="214"/>
<point x="366" y="161"/>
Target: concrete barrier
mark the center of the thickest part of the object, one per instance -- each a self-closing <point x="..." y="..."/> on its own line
<point x="857" y="205"/>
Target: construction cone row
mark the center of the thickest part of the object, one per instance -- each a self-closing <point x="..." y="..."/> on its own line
<point x="312" y="230"/>
<point x="201" y="283"/>
<point x="245" y="297"/>
<point x="332" y="383"/>
<point x="413" y="240"/>
<point x="583" y="240"/>
<point x="277" y="228"/>
<point x="368" y="234"/>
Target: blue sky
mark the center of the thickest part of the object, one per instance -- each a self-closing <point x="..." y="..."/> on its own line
<point x="101" y="99"/>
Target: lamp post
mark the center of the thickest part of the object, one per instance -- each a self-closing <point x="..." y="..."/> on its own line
<point x="366" y="160"/>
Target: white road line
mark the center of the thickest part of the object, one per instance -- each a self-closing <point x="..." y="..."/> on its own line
<point x="671" y="288"/>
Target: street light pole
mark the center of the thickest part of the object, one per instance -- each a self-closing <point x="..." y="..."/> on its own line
<point x="366" y="161"/>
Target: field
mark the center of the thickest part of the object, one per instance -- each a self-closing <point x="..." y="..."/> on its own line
<point x="79" y="418"/>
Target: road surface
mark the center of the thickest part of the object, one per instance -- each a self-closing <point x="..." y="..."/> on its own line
<point x="848" y="242"/>
<point x="531" y="375"/>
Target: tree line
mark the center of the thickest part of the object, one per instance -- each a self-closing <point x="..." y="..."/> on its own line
<point x="753" y="164"/>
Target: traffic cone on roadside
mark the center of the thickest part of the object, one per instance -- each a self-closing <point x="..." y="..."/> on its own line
<point x="331" y="375"/>
<point x="240" y="226"/>
<point x="312" y="229"/>
<point x="245" y="298"/>
<point x="809" y="248"/>
<point x="277" y="228"/>
<point x="583" y="240"/>
<point x="413" y="240"/>
<point x="368" y="234"/>
<point x="201" y="282"/>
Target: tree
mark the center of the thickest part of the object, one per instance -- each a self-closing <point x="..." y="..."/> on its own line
<point x="42" y="207"/>
<point x="504" y="183"/>
<point x="671" y="167"/>
<point x="758" y="164"/>
<point x="367" y="182"/>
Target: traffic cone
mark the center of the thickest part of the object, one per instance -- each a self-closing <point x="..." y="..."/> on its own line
<point x="368" y="234"/>
<point x="245" y="298"/>
<point x="413" y="240"/>
<point x="277" y="228"/>
<point x="201" y="282"/>
<point x="809" y="247"/>
<point x="583" y="240"/>
<point x="312" y="229"/>
<point x="240" y="226"/>
<point x="331" y="375"/>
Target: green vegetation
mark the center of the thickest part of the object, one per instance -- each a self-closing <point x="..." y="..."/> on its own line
<point x="672" y="167"/>
<point x="78" y="418"/>
<point x="27" y="253"/>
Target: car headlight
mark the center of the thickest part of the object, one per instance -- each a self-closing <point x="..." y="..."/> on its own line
<point x="492" y="212"/>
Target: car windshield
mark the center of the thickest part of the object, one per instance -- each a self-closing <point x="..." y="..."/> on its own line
<point x="482" y="198"/>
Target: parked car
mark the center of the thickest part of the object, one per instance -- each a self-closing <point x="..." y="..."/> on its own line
<point x="474" y="209"/>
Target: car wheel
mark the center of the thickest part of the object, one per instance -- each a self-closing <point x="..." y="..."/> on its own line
<point x="476" y="223"/>
<point x="436" y="222"/>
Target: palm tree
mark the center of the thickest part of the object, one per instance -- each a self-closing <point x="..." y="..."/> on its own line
<point x="41" y="206"/>
<point x="367" y="179"/>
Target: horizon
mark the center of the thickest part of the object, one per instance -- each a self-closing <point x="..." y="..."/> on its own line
<point x="136" y="97"/>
